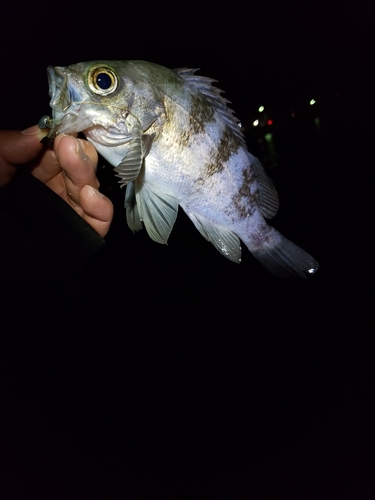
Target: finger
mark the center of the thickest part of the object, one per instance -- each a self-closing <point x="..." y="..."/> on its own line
<point x="21" y="147"/>
<point x="78" y="160"/>
<point x="97" y="209"/>
<point x="47" y="168"/>
<point x="63" y="144"/>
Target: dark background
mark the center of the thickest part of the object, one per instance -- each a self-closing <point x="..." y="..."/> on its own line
<point x="202" y="378"/>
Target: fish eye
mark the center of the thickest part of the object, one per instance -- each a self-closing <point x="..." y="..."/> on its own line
<point x="102" y="80"/>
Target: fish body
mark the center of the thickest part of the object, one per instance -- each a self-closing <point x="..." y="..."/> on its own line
<point x="174" y="141"/>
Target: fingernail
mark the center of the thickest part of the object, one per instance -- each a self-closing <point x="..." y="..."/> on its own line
<point x="35" y="130"/>
<point x="95" y="192"/>
<point x="79" y="149"/>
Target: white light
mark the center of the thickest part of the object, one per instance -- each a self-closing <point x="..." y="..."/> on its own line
<point x="260" y="109"/>
<point x="255" y="123"/>
<point x="312" y="102"/>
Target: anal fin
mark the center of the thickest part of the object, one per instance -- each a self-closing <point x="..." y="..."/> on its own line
<point x="223" y="239"/>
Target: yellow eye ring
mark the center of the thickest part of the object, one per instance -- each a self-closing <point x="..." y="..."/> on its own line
<point x="102" y="80"/>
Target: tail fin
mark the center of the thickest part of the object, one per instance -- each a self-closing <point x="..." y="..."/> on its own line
<point x="285" y="258"/>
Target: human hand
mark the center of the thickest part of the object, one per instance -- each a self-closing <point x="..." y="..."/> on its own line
<point x="69" y="169"/>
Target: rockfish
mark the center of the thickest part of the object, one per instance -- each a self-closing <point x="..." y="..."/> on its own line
<point x="174" y="141"/>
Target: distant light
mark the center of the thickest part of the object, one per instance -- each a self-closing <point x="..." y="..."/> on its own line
<point x="239" y="124"/>
<point x="270" y="122"/>
<point x="255" y="123"/>
<point x="260" y="109"/>
<point x="268" y="137"/>
<point x="312" y="102"/>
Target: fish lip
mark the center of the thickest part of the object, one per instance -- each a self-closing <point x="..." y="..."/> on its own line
<point x="108" y="136"/>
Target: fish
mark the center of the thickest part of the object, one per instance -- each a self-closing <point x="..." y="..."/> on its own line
<point x="174" y="141"/>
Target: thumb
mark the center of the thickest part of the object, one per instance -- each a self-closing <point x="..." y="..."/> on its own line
<point x="21" y="147"/>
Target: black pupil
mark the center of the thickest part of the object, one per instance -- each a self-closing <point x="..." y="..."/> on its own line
<point x="104" y="81"/>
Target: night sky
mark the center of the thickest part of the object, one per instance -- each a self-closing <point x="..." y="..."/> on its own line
<point x="258" y="52"/>
<point x="202" y="378"/>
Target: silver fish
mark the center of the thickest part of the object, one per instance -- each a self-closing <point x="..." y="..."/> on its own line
<point x="174" y="141"/>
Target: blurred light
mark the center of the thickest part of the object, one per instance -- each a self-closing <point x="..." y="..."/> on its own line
<point x="270" y="122"/>
<point x="260" y="109"/>
<point x="255" y="123"/>
<point x="312" y="102"/>
<point x="268" y="137"/>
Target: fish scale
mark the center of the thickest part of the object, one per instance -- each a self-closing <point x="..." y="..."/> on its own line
<point x="174" y="141"/>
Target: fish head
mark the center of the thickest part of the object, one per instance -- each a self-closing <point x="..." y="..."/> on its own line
<point x="100" y="99"/>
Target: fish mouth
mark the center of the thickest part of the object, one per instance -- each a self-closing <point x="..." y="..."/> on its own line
<point x="65" y="103"/>
<point x="58" y="92"/>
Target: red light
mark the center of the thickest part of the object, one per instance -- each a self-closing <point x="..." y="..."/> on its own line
<point x="270" y="122"/>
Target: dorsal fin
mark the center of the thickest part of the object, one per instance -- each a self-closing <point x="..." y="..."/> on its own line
<point x="268" y="197"/>
<point x="213" y="94"/>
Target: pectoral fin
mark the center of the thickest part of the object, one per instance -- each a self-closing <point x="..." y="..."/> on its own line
<point x="131" y="165"/>
<point x="147" y="143"/>
<point x="223" y="240"/>
<point x="139" y="147"/>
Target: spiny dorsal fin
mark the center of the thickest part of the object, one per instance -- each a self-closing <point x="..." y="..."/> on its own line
<point x="214" y="97"/>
